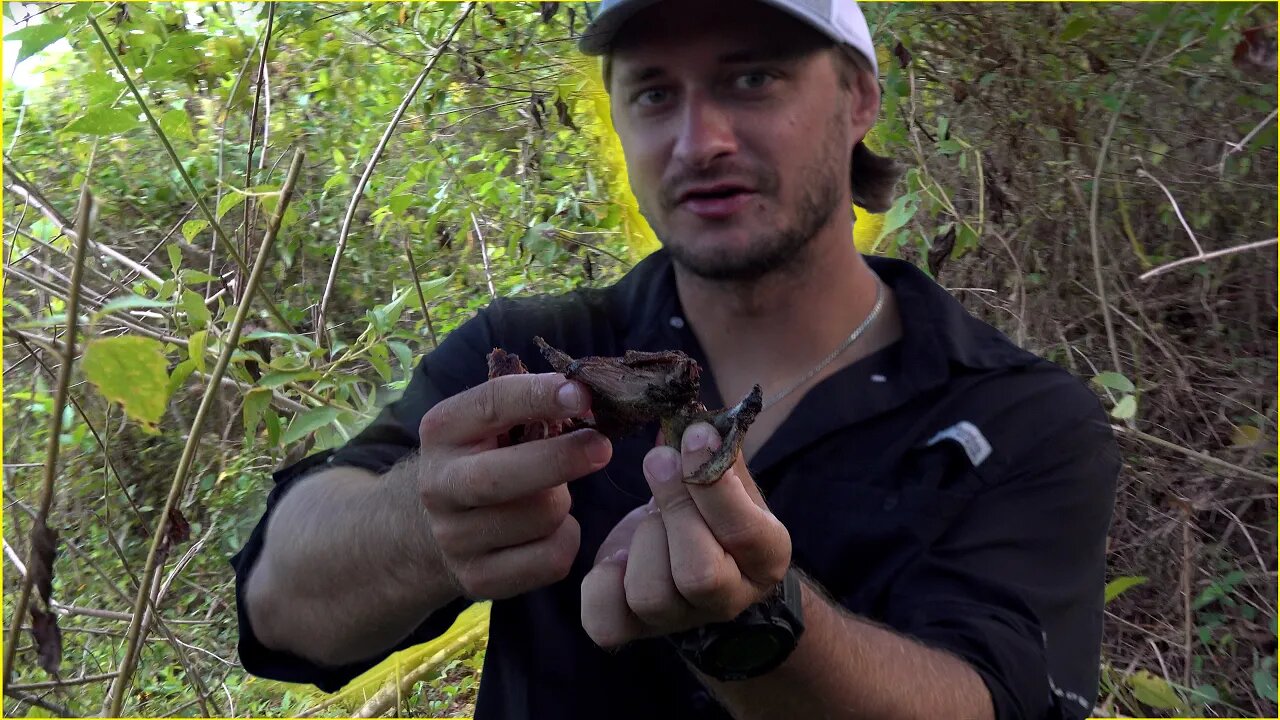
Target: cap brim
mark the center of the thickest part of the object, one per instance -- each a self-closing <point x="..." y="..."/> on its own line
<point x="598" y="36"/>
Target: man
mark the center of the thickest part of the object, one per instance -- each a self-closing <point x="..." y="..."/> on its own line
<point x="915" y="527"/>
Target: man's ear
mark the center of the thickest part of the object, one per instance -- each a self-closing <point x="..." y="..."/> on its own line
<point x="865" y="105"/>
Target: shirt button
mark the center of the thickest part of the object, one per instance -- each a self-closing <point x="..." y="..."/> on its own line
<point x="677" y="322"/>
<point x="700" y="700"/>
<point x="891" y="502"/>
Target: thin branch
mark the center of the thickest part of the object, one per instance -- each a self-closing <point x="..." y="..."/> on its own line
<point x="28" y="193"/>
<point x="417" y="285"/>
<point x="1205" y="256"/>
<point x="1235" y="147"/>
<point x="1142" y="172"/>
<point x="251" y="202"/>
<point x="54" y="684"/>
<point x="84" y="225"/>
<point x="484" y="256"/>
<point x="1206" y="458"/>
<point x="116" y="700"/>
<point x="321" y="333"/>
<point x="57" y="710"/>
<point x="1094" y="241"/>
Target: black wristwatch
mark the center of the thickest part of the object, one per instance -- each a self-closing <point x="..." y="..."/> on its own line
<point x="752" y="644"/>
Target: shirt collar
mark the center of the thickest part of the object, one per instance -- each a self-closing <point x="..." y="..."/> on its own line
<point x="940" y="339"/>
<point x="936" y="328"/>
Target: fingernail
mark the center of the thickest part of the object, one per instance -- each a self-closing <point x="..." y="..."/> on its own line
<point x="660" y="465"/>
<point x="697" y="438"/>
<point x="570" y="397"/>
<point x="619" y="557"/>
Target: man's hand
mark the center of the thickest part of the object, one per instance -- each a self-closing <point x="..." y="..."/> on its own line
<point x="500" y="516"/>
<point x="692" y="556"/>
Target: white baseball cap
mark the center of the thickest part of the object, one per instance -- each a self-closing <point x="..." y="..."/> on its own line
<point x="840" y="20"/>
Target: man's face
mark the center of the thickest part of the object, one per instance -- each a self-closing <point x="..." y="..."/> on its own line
<point x="736" y="131"/>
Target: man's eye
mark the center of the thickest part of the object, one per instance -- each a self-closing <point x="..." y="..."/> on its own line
<point x="651" y="97"/>
<point x="752" y="80"/>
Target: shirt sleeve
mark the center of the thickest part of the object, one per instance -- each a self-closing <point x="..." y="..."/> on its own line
<point x="457" y="364"/>
<point x="1015" y="586"/>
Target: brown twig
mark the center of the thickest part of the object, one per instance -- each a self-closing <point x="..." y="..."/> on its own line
<point x="417" y="286"/>
<point x="1094" y="240"/>
<point x="1206" y="256"/>
<point x="115" y="702"/>
<point x="54" y="684"/>
<point x="1207" y="459"/>
<point x="484" y="257"/>
<point x="57" y="710"/>
<point x="84" y="226"/>
<point x="344" y="232"/>
<point x="258" y="88"/>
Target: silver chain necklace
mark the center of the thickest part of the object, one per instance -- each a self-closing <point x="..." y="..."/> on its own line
<point x="853" y="337"/>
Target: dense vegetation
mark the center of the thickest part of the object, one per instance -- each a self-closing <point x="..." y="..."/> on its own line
<point x="404" y="164"/>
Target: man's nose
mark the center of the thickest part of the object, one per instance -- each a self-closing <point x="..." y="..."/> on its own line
<point x="706" y="133"/>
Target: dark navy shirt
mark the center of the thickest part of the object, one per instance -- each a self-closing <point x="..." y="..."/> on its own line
<point x="951" y="486"/>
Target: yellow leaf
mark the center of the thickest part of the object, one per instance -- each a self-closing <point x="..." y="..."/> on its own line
<point x="132" y="371"/>
<point x="1154" y="691"/>
<point x="1245" y="436"/>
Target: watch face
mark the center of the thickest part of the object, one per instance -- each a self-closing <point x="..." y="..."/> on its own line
<point x="751" y="648"/>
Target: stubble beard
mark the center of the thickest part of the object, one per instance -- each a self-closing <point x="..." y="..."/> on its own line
<point x="769" y="251"/>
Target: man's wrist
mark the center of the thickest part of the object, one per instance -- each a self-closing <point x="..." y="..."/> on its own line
<point x="755" y="643"/>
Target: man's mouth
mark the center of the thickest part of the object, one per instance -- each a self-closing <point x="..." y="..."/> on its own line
<point x="716" y="201"/>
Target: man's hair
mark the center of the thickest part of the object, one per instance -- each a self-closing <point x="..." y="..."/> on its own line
<point x="873" y="177"/>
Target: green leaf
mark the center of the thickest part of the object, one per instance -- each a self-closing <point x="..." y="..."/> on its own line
<point x="1206" y="694"/>
<point x="308" y="422"/>
<point x="1218" y="589"/>
<point x="1126" y="408"/>
<point x="1074" y="29"/>
<point x="227" y="202"/>
<point x="950" y="146"/>
<point x="1120" y="584"/>
<point x="400" y="203"/>
<point x="35" y="38"/>
<point x="132" y="371"/>
<point x="1115" y="381"/>
<point x="339" y="178"/>
<point x="273" y="427"/>
<point x="197" y="313"/>
<point x="181" y="372"/>
<point x="255" y="402"/>
<point x="132" y="302"/>
<point x="378" y="358"/>
<point x="1264" y="680"/>
<point x="272" y="335"/>
<point x="191" y="228"/>
<point x="1154" y="691"/>
<point x="904" y="208"/>
<point x="175" y="258"/>
<point x="176" y="124"/>
<point x="104" y="121"/>
<point x="196" y="277"/>
<point x="404" y="355"/>
<point x="280" y="377"/>
<point x="195" y="348"/>
<point x="434" y="288"/>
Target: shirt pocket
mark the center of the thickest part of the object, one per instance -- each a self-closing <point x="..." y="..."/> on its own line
<point x="854" y="534"/>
